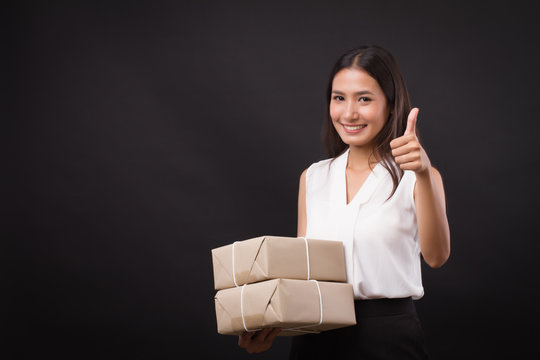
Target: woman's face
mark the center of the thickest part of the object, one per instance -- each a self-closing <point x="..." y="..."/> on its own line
<point x="358" y="107"/>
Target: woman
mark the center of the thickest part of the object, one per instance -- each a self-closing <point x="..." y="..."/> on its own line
<point x="380" y="196"/>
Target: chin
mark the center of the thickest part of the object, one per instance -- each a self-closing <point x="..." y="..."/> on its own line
<point x="355" y="142"/>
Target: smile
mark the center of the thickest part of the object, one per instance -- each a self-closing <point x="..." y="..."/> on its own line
<point x="353" y="128"/>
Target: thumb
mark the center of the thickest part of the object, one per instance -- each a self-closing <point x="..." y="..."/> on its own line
<point x="411" y="122"/>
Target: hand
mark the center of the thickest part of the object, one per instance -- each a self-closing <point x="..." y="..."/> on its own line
<point x="406" y="149"/>
<point x="258" y="341"/>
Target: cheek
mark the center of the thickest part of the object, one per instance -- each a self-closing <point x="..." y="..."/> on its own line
<point x="371" y="112"/>
<point x="379" y="115"/>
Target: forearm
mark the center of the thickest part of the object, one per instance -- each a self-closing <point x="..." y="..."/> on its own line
<point x="433" y="226"/>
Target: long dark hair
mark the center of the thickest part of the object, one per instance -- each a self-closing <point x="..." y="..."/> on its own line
<point x="381" y="65"/>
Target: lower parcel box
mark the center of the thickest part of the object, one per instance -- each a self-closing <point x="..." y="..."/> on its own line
<point x="295" y="284"/>
<point x="295" y="306"/>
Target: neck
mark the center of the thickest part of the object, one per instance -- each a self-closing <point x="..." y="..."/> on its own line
<point x="361" y="158"/>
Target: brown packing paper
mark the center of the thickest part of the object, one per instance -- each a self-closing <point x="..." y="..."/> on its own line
<point x="285" y="303"/>
<point x="271" y="257"/>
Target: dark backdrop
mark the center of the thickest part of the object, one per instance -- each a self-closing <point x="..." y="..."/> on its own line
<point x="141" y="135"/>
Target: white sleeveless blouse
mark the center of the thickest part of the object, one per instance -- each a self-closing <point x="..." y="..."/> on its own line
<point x="380" y="236"/>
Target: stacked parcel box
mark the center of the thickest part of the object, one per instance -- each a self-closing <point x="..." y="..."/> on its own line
<point x="296" y="284"/>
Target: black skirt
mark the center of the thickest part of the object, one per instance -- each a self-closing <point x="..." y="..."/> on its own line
<point x="385" y="329"/>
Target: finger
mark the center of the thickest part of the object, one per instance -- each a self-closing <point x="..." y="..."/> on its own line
<point x="245" y="339"/>
<point x="404" y="149"/>
<point x="261" y="335"/>
<point x="242" y="342"/>
<point x="411" y="122"/>
<point x="408" y="158"/>
<point x="414" y="165"/>
<point x="400" y="160"/>
<point x="272" y="336"/>
<point x="402" y="140"/>
<point x="267" y="344"/>
<point x="258" y="342"/>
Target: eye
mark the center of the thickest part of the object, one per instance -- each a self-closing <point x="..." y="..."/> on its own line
<point x="338" y="98"/>
<point x="364" y="99"/>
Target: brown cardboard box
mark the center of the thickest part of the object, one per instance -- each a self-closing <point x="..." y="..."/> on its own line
<point x="287" y="304"/>
<point x="271" y="257"/>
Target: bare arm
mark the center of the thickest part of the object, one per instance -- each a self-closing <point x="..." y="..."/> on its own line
<point x="433" y="226"/>
<point x="302" y="218"/>
<point x="429" y="196"/>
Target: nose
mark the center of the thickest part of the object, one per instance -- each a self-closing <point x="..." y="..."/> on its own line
<point x="351" y="112"/>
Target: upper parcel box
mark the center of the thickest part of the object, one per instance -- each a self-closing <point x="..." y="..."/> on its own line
<point x="272" y="257"/>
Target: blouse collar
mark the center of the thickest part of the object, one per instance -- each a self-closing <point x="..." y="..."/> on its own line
<point x="377" y="174"/>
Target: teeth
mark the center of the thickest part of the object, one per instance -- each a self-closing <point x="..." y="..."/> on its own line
<point x="357" y="127"/>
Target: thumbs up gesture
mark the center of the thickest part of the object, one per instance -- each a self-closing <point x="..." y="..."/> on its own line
<point x="406" y="149"/>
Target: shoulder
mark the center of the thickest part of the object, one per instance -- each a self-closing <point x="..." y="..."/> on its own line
<point x="315" y="167"/>
<point x="303" y="176"/>
<point x="322" y="163"/>
<point x="316" y="174"/>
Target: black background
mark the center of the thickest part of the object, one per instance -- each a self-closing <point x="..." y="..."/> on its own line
<point x="143" y="134"/>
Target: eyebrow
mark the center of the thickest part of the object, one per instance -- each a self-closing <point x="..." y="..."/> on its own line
<point x="363" y="92"/>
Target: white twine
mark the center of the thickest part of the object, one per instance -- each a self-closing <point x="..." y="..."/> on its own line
<point x="307" y="257"/>
<point x="242" y="310"/>
<point x="233" y="270"/>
